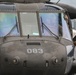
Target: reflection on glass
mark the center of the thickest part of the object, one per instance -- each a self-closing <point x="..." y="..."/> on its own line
<point x="7" y="22"/>
<point x="66" y="32"/>
<point x="54" y="24"/>
<point x="29" y="24"/>
<point x="50" y="20"/>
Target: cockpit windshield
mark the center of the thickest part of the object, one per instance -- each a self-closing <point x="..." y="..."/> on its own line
<point x="29" y="23"/>
<point x="34" y="24"/>
<point x="46" y="23"/>
<point x="7" y="22"/>
<point x="49" y="24"/>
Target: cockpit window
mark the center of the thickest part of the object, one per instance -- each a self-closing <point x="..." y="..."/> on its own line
<point x="54" y="24"/>
<point x="66" y="30"/>
<point x="49" y="24"/>
<point x="29" y="24"/>
<point x="7" y="22"/>
<point x="34" y="24"/>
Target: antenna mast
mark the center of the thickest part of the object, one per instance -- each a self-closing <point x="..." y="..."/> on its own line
<point x="58" y="1"/>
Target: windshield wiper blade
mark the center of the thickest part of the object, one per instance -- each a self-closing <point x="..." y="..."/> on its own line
<point x="43" y="25"/>
<point x="4" y="38"/>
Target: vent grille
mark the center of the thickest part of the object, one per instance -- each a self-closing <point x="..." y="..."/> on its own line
<point x="33" y="43"/>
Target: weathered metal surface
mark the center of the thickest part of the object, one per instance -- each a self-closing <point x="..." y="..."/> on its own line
<point x="35" y="57"/>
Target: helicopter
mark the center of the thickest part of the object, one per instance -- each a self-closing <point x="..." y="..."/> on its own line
<point x="35" y="38"/>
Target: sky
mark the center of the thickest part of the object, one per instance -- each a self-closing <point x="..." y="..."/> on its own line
<point x="69" y="2"/>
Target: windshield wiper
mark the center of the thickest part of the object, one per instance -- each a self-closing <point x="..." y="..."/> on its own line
<point x="44" y="25"/>
<point x="4" y="38"/>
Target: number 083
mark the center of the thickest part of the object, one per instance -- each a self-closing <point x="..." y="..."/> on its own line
<point x="35" y="51"/>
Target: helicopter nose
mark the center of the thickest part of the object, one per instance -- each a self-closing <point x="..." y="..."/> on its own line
<point x="33" y="58"/>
